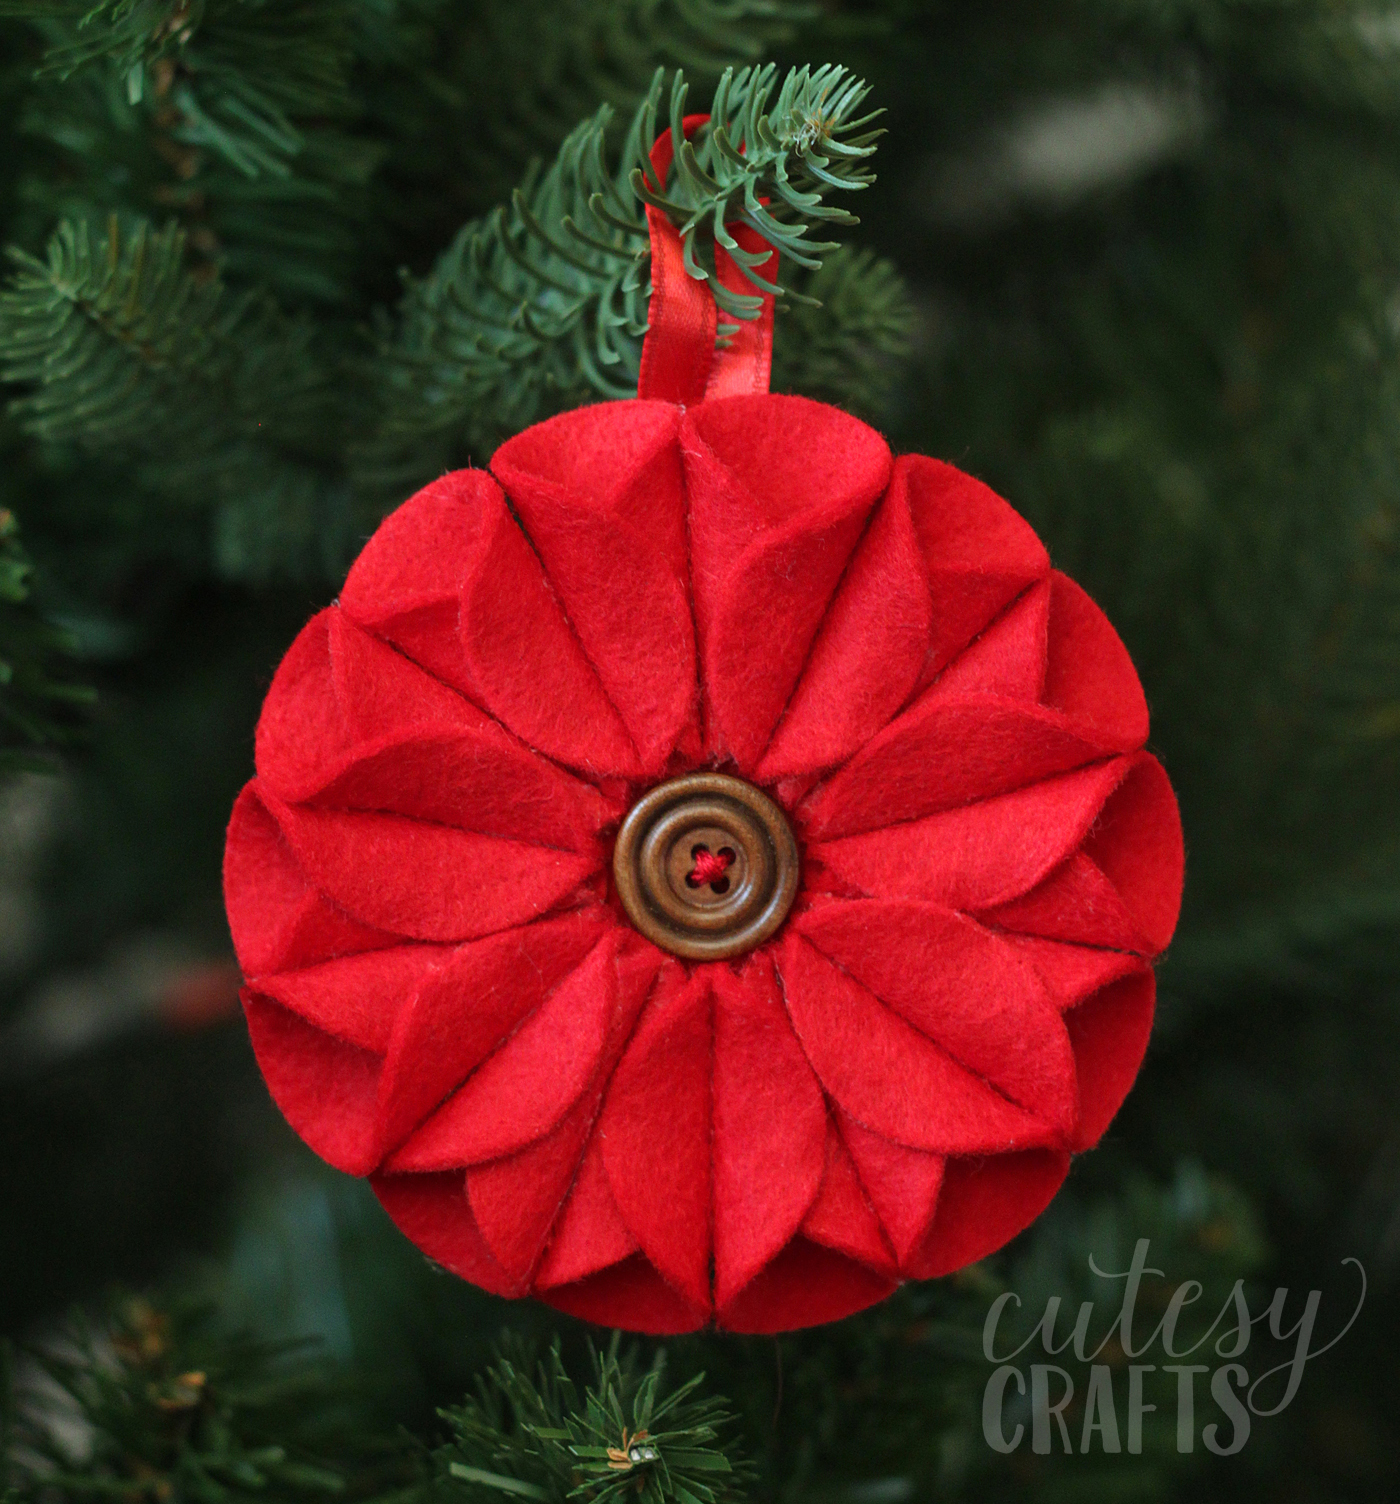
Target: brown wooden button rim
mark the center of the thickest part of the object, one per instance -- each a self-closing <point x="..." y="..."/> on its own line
<point x="653" y="855"/>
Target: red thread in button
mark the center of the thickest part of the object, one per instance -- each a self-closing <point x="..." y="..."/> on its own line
<point x="710" y="866"/>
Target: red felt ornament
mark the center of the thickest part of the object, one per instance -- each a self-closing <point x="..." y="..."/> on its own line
<point x="703" y="869"/>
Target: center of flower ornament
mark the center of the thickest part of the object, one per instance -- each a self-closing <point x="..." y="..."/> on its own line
<point x="706" y="866"/>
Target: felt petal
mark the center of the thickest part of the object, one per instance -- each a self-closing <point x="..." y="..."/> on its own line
<point x="405" y="586"/>
<point x="961" y="986"/>
<point x="357" y="998"/>
<point x="516" y="1200"/>
<point x="763" y="528"/>
<point x="468" y="1006"/>
<point x="984" y="1204"/>
<point x="277" y="919"/>
<point x="428" y="882"/>
<point x="1073" y="973"/>
<point x="978" y="854"/>
<point x="655" y="1130"/>
<point x="1008" y="658"/>
<point x="942" y="752"/>
<point x="528" y="665"/>
<point x="450" y="579"/>
<point x="1088" y="673"/>
<point x="1109" y="1033"/>
<point x="841" y="1217"/>
<point x="432" y="1212"/>
<point x="590" y="1234"/>
<point x="867" y="654"/>
<point x="599" y="492"/>
<point x="806" y="1285"/>
<point x="770" y="1128"/>
<point x="902" y="1183"/>
<point x="324" y="1087"/>
<point x="381" y="691"/>
<point x="1123" y="889"/>
<point x="630" y="1295"/>
<point x="471" y="780"/>
<point x="885" y="1073"/>
<point x="979" y="553"/>
<point x="301" y="726"/>
<point x="337" y="688"/>
<point x="523" y="1090"/>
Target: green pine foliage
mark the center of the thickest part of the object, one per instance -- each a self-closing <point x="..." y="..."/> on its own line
<point x="542" y="305"/>
<point x="38" y="707"/>
<point x="535" y="1436"/>
<point x="158" y="1404"/>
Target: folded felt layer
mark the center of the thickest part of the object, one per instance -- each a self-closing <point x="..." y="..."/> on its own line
<point x="600" y="494"/>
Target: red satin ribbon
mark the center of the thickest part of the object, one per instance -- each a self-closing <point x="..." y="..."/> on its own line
<point x="680" y="362"/>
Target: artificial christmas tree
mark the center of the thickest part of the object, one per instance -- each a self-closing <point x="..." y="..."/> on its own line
<point x="279" y="266"/>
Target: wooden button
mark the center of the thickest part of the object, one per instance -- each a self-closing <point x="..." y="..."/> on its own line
<point x="706" y="866"/>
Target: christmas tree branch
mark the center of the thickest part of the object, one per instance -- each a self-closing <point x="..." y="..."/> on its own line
<point x="533" y="72"/>
<point x="623" y="1437"/>
<point x="235" y="116"/>
<point x="543" y="304"/>
<point x="235" y="72"/>
<point x="35" y="708"/>
<point x="845" y="341"/>
<point x="213" y="400"/>
<point x="161" y="1404"/>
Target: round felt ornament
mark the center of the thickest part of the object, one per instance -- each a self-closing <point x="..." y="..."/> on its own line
<point x="703" y="869"/>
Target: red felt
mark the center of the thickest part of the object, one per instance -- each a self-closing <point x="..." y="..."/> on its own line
<point x="886" y="1074"/>
<point x="432" y="1211"/>
<point x="804" y="1286"/>
<point x="980" y="555"/>
<point x="357" y="998"/>
<point x="631" y="1295"/>
<point x="979" y="854"/>
<point x="379" y="690"/>
<point x="471" y="780"/>
<point x="516" y="1200"/>
<point x="527" y="1086"/>
<point x="943" y="752"/>
<point x="655" y="1130"/>
<point x="770" y="1125"/>
<point x="589" y="1234"/>
<point x="1088" y="673"/>
<point x="468" y="1006"/>
<point x="599" y="493"/>
<point x="868" y="653"/>
<point x="325" y="1087"/>
<point x="842" y="1217"/>
<point x="902" y="1184"/>
<point x="1123" y="890"/>
<point x="405" y="585"/>
<point x="277" y="919"/>
<point x="450" y="579"/>
<point x="962" y="987"/>
<point x="985" y="1203"/>
<point x="762" y="528"/>
<point x="352" y="724"/>
<point x="1109" y="1034"/>
<point x="426" y="881"/>
<point x="339" y="689"/>
<point x="1008" y="657"/>
<point x="1074" y="972"/>
<point x="415" y="881"/>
